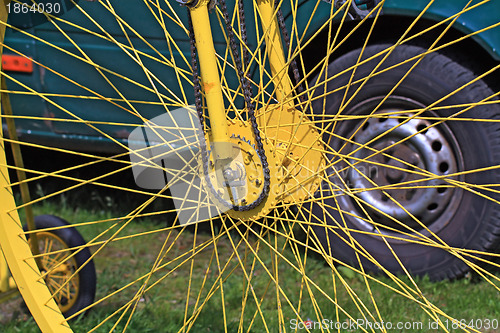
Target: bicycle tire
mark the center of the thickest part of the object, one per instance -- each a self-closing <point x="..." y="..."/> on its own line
<point x="81" y="293"/>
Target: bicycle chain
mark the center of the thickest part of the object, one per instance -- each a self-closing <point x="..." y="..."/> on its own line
<point x="247" y="93"/>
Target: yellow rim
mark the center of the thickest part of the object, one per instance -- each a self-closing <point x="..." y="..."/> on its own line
<point x="61" y="267"/>
<point x="16" y="249"/>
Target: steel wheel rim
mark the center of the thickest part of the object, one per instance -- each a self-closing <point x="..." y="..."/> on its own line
<point x="436" y="151"/>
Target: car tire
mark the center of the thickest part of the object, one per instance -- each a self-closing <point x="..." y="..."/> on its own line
<point x="466" y="218"/>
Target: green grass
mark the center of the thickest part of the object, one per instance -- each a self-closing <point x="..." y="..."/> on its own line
<point x="162" y="309"/>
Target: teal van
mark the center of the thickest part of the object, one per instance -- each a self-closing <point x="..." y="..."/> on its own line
<point x="118" y="63"/>
<point x="41" y="41"/>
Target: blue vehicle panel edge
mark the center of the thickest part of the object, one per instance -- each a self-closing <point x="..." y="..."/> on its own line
<point x="475" y="19"/>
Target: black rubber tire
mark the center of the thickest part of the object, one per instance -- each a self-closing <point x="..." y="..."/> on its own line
<point x="475" y="224"/>
<point x="87" y="275"/>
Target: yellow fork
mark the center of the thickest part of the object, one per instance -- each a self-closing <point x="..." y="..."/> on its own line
<point x="274" y="49"/>
<point x="210" y="77"/>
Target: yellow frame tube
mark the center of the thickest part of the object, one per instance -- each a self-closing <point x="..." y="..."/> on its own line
<point x="15" y="246"/>
<point x="210" y="78"/>
<point x="274" y="48"/>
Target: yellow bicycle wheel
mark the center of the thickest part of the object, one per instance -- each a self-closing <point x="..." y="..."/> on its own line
<point x="69" y="276"/>
<point x="364" y="140"/>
